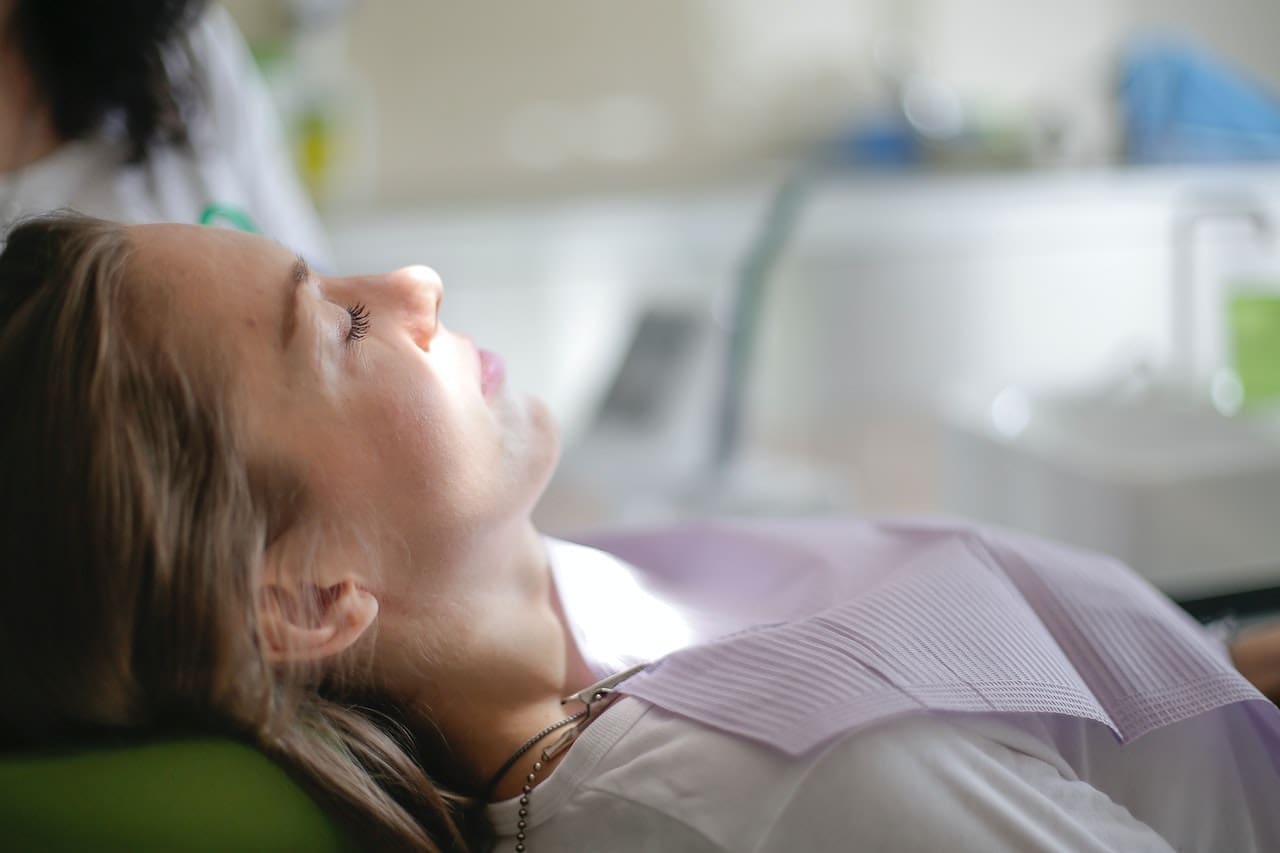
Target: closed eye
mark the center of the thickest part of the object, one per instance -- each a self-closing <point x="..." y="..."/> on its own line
<point x="359" y="321"/>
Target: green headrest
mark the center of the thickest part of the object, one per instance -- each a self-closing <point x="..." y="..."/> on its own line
<point x="191" y="794"/>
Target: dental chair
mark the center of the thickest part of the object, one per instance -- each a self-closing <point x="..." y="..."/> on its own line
<point x="196" y="794"/>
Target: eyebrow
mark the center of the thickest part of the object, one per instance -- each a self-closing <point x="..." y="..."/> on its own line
<point x="299" y="273"/>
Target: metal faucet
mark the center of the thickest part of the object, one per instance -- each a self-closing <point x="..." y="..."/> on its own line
<point x="759" y="262"/>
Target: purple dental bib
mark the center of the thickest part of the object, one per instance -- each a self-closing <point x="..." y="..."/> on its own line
<point x="796" y="632"/>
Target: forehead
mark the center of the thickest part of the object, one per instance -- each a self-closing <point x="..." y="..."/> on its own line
<point x="208" y="290"/>
<point x="185" y="257"/>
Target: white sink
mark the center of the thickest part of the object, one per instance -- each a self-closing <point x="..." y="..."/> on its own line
<point x="1188" y="497"/>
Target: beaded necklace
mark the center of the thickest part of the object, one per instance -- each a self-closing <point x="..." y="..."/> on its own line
<point x="589" y="697"/>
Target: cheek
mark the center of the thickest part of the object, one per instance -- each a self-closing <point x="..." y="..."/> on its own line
<point x="433" y="465"/>
<point x="419" y="446"/>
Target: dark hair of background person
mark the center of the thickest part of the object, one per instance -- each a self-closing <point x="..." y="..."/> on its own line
<point x="99" y="60"/>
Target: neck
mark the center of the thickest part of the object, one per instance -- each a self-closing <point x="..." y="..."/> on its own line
<point x="523" y="727"/>
<point x="26" y="126"/>
<point x="520" y="660"/>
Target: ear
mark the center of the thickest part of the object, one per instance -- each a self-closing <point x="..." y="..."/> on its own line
<point x="312" y="622"/>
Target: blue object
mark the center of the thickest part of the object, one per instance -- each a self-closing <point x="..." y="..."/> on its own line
<point x="1182" y="105"/>
<point x="884" y="142"/>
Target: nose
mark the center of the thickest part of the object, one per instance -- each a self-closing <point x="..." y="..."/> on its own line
<point x="420" y="291"/>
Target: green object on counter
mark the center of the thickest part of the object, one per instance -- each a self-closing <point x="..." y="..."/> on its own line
<point x="1253" y="312"/>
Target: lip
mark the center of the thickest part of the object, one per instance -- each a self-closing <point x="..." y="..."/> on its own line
<point x="493" y="370"/>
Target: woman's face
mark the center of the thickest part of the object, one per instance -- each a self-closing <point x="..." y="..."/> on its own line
<point x="396" y="426"/>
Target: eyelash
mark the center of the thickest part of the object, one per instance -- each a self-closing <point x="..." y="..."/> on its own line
<point x="359" y="321"/>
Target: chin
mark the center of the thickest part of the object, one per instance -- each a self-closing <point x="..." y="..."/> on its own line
<point x="546" y="441"/>
<point x="533" y="450"/>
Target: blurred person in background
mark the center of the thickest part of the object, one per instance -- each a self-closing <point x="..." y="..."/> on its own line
<point x="1256" y="653"/>
<point x="140" y="111"/>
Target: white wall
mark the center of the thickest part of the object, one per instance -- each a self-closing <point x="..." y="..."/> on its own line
<point x="491" y="97"/>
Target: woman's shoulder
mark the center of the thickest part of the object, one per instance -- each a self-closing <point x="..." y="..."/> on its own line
<point x="642" y="773"/>
<point x="918" y="782"/>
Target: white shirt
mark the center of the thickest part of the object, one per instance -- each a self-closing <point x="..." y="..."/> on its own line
<point x="641" y="779"/>
<point x="237" y="162"/>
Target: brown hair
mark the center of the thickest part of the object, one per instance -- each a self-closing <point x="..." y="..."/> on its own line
<point x="132" y="530"/>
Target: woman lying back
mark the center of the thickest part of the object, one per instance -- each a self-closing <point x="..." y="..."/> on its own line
<point x="241" y="496"/>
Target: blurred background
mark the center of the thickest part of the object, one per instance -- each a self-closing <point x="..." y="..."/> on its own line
<point x="1007" y="259"/>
